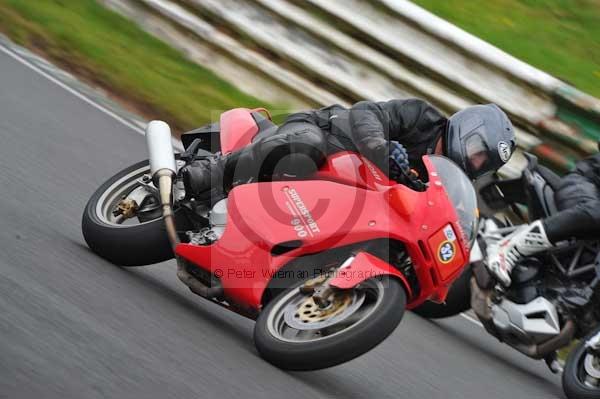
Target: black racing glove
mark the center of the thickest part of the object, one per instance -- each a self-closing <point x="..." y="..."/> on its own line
<point x="399" y="166"/>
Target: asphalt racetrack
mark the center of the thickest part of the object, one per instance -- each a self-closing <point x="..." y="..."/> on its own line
<point x="74" y="326"/>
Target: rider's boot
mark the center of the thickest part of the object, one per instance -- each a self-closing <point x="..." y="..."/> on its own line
<point x="203" y="179"/>
<point x="553" y="363"/>
<point x="503" y="255"/>
<point x="210" y="179"/>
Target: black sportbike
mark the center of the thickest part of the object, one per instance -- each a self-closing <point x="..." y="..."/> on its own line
<point x="554" y="297"/>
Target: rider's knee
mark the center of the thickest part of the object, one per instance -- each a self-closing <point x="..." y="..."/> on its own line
<point x="298" y="150"/>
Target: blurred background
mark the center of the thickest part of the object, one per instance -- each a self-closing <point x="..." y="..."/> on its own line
<point x="185" y="61"/>
<point x="72" y="325"/>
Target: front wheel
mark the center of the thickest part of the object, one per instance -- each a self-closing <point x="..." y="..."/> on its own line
<point x="294" y="333"/>
<point x="581" y="377"/>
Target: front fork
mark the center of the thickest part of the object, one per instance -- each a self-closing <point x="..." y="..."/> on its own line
<point x="320" y="288"/>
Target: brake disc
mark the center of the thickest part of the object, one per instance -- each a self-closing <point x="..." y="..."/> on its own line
<point x="305" y="314"/>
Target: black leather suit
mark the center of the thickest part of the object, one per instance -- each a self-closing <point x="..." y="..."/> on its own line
<point x="578" y="201"/>
<point x="302" y="142"/>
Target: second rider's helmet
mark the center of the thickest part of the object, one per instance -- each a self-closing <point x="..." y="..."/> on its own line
<point x="480" y="139"/>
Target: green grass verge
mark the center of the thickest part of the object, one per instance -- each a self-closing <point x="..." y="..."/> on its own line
<point x="108" y="50"/>
<point x="561" y="37"/>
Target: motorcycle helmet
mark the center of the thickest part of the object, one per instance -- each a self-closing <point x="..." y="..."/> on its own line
<point x="480" y="139"/>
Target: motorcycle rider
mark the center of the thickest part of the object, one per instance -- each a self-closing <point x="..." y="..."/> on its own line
<point x="578" y="203"/>
<point x="394" y="135"/>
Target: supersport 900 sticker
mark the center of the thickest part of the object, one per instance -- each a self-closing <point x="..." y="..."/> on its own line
<point x="302" y="222"/>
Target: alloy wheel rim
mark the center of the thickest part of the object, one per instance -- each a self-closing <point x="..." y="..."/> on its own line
<point x="115" y="193"/>
<point x="288" y="322"/>
<point x="591" y="371"/>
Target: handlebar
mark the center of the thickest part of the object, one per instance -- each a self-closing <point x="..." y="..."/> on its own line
<point x="409" y="178"/>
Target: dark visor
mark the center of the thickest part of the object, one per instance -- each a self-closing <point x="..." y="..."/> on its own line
<point x="477" y="152"/>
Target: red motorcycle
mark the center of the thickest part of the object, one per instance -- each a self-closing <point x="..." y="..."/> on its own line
<point x="326" y="266"/>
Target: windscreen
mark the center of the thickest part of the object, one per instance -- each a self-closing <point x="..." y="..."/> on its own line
<point x="461" y="193"/>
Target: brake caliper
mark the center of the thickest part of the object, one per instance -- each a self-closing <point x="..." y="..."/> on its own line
<point x="127" y="208"/>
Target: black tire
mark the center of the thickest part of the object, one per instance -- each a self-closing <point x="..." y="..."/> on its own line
<point x="574" y="370"/>
<point x="345" y="345"/>
<point x="458" y="300"/>
<point x="128" y="245"/>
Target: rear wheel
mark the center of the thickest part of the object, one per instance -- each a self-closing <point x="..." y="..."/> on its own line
<point x="294" y="333"/>
<point x="581" y="377"/>
<point x="128" y="241"/>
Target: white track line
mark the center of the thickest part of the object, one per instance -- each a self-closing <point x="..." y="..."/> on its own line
<point x="13" y="54"/>
<point x="470" y="319"/>
<point x="76" y="93"/>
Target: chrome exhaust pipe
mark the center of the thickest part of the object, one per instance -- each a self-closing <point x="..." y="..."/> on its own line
<point x="160" y="149"/>
<point x="163" y="169"/>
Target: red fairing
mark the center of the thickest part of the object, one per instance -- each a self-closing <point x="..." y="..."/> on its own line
<point x="319" y="215"/>
<point x="365" y="266"/>
<point x="263" y="215"/>
<point x="351" y="168"/>
<point x="238" y="128"/>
